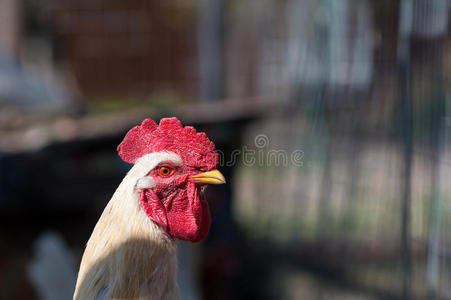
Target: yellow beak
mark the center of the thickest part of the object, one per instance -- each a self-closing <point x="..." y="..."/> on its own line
<point x="210" y="177"/>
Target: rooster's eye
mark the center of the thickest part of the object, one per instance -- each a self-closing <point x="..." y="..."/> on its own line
<point x="165" y="171"/>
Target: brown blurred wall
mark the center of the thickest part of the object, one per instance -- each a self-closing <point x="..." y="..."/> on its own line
<point x="126" y="48"/>
<point x="9" y="26"/>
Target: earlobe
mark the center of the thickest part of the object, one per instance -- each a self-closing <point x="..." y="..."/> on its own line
<point x="145" y="182"/>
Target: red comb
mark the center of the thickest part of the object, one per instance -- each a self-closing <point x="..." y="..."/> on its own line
<point x="194" y="148"/>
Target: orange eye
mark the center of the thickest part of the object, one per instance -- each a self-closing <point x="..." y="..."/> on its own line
<point x="165" y="171"/>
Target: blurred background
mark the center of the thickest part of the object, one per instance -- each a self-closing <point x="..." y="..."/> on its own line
<point x="332" y="117"/>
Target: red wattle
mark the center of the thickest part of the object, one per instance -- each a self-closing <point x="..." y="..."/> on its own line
<point x="183" y="214"/>
<point x="154" y="208"/>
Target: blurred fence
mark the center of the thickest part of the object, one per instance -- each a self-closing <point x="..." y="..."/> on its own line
<point x="366" y="103"/>
<point x="332" y="116"/>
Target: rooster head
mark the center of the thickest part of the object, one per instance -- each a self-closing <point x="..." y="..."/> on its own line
<point x="180" y="162"/>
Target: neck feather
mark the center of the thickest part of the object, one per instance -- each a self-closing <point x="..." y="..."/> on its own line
<point x="127" y="251"/>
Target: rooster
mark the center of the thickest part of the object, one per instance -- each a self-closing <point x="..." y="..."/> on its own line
<point x="131" y="252"/>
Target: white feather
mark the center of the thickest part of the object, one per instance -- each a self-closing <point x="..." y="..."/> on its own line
<point x="123" y="220"/>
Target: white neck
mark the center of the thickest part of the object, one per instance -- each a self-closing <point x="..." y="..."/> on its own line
<point x="128" y="255"/>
